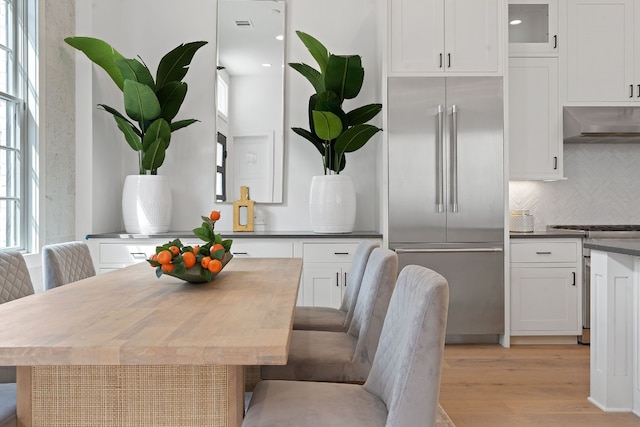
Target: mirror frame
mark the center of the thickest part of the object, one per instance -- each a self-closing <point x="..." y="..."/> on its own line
<point x="269" y="161"/>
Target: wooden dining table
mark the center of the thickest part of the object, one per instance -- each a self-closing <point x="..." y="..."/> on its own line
<point x="126" y="348"/>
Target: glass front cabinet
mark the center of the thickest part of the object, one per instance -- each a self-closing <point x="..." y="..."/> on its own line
<point x="533" y="27"/>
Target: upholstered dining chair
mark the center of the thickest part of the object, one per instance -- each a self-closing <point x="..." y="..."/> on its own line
<point x="333" y="319"/>
<point x="404" y="383"/>
<point x="344" y="356"/>
<point x="64" y="263"/>
<point x="15" y="282"/>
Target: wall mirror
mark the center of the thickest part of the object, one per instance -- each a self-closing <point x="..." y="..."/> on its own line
<point x="250" y="99"/>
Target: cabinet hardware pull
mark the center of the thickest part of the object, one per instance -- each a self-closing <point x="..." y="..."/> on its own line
<point x="638" y="91"/>
<point x="543" y="252"/>
<point x="241" y="253"/>
<point x="555" y="163"/>
<point x="337" y="279"/>
<point x="630" y="91"/>
<point x="555" y="42"/>
<point x="440" y="66"/>
<point x="345" y="279"/>
<point x="448" y="60"/>
<point x="574" y="278"/>
<point x="138" y="255"/>
<point x="440" y="160"/>
<point x="341" y="253"/>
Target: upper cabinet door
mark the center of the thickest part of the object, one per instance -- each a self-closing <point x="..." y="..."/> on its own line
<point x="444" y="36"/>
<point x="472" y="31"/>
<point x="533" y="27"/>
<point x="600" y="54"/>
<point x="417" y="35"/>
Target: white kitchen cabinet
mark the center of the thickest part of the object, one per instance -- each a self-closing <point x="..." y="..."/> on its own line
<point x="326" y="260"/>
<point x="603" y="62"/>
<point x="535" y="127"/>
<point x="445" y="36"/>
<point x="533" y="27"/>
<point x="546" y="290"/>
<point x="325" y="272"/>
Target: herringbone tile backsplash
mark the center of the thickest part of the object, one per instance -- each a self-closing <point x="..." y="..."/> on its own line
<point x="602" y="187"/>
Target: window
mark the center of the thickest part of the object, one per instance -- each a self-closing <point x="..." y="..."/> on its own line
<point x="18" y="42"/>
<point x="221" y="168"/>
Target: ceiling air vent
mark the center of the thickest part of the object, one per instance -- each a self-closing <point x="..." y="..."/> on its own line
<point x="243" y="23"/>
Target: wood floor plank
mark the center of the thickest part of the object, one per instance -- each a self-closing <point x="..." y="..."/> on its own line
<point x="525" y="385"/>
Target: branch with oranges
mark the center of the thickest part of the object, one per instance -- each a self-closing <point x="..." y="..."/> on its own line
<point x="178" y="260"/>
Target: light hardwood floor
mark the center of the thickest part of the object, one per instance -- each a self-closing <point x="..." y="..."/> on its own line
<point x="488" y="385"/>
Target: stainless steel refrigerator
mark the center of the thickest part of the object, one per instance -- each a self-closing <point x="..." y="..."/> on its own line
<point x="446" y="192"/>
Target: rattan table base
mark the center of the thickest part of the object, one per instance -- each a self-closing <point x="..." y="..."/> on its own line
<point x="153" y="396"/>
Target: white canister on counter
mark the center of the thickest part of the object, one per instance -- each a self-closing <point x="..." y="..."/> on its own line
<point x="521" y="221"/>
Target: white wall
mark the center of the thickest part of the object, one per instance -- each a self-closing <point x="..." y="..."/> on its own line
<point x="602" y="187"/>
<point x="344" y="27"/>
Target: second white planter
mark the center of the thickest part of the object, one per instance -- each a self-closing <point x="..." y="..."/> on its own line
<point x="146" y="204"/>
<point x="332" y="204"/>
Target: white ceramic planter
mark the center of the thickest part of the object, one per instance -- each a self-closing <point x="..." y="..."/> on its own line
<point x="332" y="204"/>
<point x="146" y="204"/>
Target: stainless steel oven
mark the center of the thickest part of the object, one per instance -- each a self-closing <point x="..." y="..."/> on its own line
<point x="592" y="232"/>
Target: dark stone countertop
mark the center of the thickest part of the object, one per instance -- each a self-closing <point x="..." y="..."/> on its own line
<point x="241" y="235"/>
<point x="547" y="234"/>
<point x="620" y="246"/>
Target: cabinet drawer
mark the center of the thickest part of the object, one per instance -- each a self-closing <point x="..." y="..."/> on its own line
<point x="329" y="252"/>
<point x="125" y="253"/>
<point x="264" y="249"/>
<point x="544" y="252"/>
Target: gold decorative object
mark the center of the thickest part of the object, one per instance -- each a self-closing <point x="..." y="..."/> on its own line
<point x="244" y="205"/>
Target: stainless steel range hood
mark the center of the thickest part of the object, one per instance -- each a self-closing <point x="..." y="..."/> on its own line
<point x="602" y="124"/>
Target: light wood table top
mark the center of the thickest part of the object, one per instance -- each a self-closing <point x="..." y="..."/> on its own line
<point x="130" y="317"/>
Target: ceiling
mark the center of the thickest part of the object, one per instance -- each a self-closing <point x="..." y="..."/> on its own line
<point x="247" y="31"/>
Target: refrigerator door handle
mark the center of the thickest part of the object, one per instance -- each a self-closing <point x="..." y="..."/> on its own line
<point x="453" y="153"/>
<point x="440" y="160"/>
<point x="446" y="250"/>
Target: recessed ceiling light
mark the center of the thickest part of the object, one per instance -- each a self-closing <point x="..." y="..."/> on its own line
<point x="266" y="65"/>
<point x="516" y="22"/>
<point x="280" y="37"/>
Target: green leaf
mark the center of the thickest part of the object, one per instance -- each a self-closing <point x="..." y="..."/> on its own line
<point x="227" y="244"/>
<point x="140" y="101"/>
<point x="179" y="269"/>
<point x="317" y="50"/>
<point x="182" y="124"/>
<point x="101" y="54"/>
<point x="329" y="101"/>
<point x="130" y="135"/>
<point x="159" y="129"/>
<point x="327" y="125"/>
<point x="344" y="75"/>
<point x="355" y="138"/>
<point x="132" y="69"/>
<point x="171" y="97"/>
<point x="363" y="114"/>
<point x="153" y="156"/>
<point x="175" y="64"/>
<point x="311" y="74"/>
<point x="206" y="274"/>
<point x="158" y="272"/>
<point x="219" y="254"/>
<point x="116" y="113"/>
<point x="312" y="137"/>
<point x="201" y="233"/>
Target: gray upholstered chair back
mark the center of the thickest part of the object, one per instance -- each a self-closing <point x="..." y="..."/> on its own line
<point x="373" y="301"/>
<point x="64" y="263"/>
<point x="408" y="364"/>
<point x="354" y="278"/>
<point x="15" y="281"/>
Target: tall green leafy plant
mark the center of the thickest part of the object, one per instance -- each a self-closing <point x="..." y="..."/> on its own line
<point x="333" y="131"/>
<point x="150" y="105"/>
